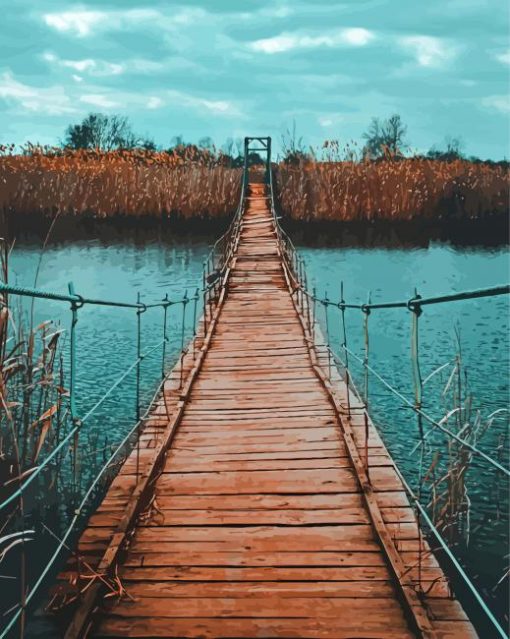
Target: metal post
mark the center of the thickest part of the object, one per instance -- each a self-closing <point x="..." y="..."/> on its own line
<point x="245" y="166"/>
<point x="166" y="304"/>
<point x="346" y="356"/>
<point x="75" y="305"/>
<point x="416" y="310"/>
<point x="195" y="306"/>
<point x="138" y="354"/>
<point x="308" y="306"/>
<point x="185" y="301"/>
<point x="206" y="292"/>
<point x="314" y="312"/>
<point x="268" y="161"/>
<point x="328" y="341"/>
<point x="366" y="311"/>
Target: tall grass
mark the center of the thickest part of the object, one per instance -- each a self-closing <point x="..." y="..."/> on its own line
<point x="132" y="183"/>
<point x="191" y="183"/>
<point x="411" y="189"/>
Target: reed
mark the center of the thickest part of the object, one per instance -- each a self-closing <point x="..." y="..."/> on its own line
<point x="121" y="183"/>
<point x="190" y="183"/>
<point x="388" y="190"/>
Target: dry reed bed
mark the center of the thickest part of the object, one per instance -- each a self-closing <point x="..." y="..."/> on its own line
<point x="392" y="191"/>
<point x="136" y="184"/>
<point x="153" y="184"/>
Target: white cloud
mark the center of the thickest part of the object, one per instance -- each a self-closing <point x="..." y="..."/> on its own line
<point x="85" y="22"/>
<point x="77" y="78"/>
<point x="325" y="122"/>
<point x="78" y="23"/>
<point x="499" y="103"/>
<point x="216" y="107"/>
<point x="98" y="68"/>
<point x="154" y="102"/>
<point x="504" y="57"/>
<point x="355" y="37"/>
<point x="98" y="100"/>
<point x="428" y="51"/>
<point x="49" y="100"/>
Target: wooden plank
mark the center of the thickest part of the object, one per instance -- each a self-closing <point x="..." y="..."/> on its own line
<point x="195" y="557"/>
<point x="113" y="626"/>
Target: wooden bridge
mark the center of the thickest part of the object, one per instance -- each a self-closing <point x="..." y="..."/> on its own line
<point x="255" y="504"/>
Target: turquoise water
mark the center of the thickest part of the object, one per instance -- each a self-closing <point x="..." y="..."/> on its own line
<point x="106" y="340"/>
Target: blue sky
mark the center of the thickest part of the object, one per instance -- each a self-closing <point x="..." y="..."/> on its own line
<point x="228" y="68"/>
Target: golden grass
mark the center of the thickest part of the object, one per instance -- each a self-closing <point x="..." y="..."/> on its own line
<point x="190" y="184"/>
<point x="135" y="183"/>
<point x="392" y="191"/>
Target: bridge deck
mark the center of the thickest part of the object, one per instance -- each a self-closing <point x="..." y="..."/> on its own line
<point x="259" y="527"/>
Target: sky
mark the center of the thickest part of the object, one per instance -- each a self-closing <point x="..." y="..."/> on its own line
<point x="230" y="68"/>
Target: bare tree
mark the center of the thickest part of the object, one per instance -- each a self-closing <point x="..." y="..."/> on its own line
<point x="385" y="138"/>
<point x="104" y="132"/>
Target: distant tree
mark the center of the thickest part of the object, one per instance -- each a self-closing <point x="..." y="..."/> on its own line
<point x="385" y="138"/>
<point x="100" y="131"/>
<point x="453" y="150"/>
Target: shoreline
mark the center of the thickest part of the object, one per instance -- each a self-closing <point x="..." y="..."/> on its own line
<point x="490" y="231"/>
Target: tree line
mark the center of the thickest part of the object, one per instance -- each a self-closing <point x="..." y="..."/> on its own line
<point x="383" y="139"/>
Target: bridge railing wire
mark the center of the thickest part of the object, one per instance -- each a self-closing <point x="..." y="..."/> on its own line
<point x="214" y="270"/>
<point x="338" y="370"/>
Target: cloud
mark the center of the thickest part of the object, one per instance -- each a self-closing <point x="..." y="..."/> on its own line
<point x="98" y="68"/>
<point x="49" y="100"/>
<point x="154" y="102"/>
<point x="215" y="107"/>
<point x="355" y="37"/>
<point x="78" y="23"/>
<point x="99" y="100"/>
<point x="499" y="103"/>
<point x="504" y="57"/>
<point x="84" y="22"/>
<point x="428" y="51"/>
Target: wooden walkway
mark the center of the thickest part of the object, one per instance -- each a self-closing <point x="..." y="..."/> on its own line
<point x="263" y="522"/>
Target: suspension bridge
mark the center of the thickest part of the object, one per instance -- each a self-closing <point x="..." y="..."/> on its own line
<point x="258" y="499"/>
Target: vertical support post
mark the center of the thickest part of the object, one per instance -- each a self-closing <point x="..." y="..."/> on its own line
<point x="75" y="305"/>
<point x="75" y="420"/>
<point x="205" y="292"/>
<point x="328" y="341"/>
<point x="139" y="357"/>
<point x="138" y="354"/>
<point x="268" y="161"/>
<point x="416" y="310"/>
<point x="314" y="312"/>
<point x="185" y="301"/>
<point x="166" y="304"/>
<point x="308" y="306"/>
<point x="344" y="345"/>
<point x="246" y="166"/>
<point x="195" y="307"/>
<point x="366" y="311"/>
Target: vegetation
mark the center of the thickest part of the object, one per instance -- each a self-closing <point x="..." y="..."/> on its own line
<point x="104" y="170"/>
<point x="186" y="182"/>
<point x="413" y="188"/>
